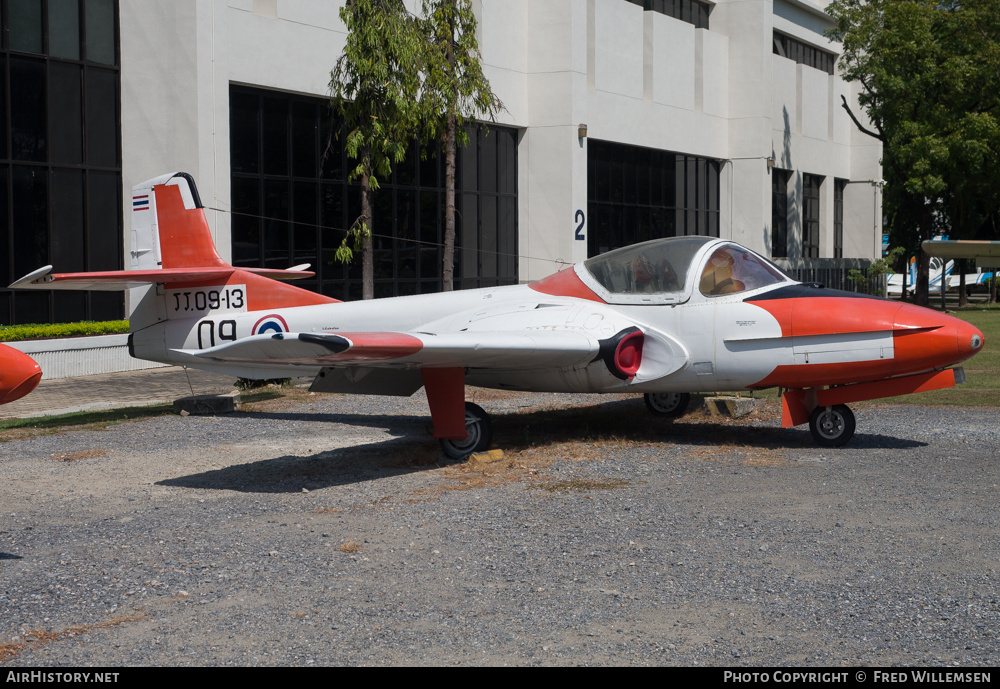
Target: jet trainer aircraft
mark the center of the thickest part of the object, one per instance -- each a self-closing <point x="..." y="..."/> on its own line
<point x="664" y="318"/>
<point x="19" y="374"/>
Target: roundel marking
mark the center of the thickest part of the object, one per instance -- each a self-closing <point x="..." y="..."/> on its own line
<point x="270" y="324"/>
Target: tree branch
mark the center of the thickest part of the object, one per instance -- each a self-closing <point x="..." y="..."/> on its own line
<point x="858" y="124"/>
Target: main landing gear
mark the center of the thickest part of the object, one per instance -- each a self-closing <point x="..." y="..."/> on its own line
<point x="669" y="404"/>
<point x="480" y="430"/>
<point x="831" y="426"/>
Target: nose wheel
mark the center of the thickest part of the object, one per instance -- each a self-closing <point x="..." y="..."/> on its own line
<point x="480" y="430"/>
<point x="832" y="426"/>
<point x="670" y="404"/>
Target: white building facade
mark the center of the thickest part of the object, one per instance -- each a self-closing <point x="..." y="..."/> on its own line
<point x="624" y="120"/>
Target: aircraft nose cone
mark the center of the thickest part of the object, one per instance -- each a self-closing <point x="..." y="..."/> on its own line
<point x="19" y="374"/>
<point x="926" y="339"/>
<point x="970" y="339"/>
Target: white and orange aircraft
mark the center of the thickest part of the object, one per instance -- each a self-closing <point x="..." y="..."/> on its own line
<point x="664" y="318"/>
<point x="19" y="374"/>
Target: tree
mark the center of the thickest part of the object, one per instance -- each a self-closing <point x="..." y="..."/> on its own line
<point x="928" y="75"/>
<point x="453" y="90"/>
<point x="373" y="89"/>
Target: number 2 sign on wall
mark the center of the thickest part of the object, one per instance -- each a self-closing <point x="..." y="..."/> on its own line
<point x="581" y="220"/>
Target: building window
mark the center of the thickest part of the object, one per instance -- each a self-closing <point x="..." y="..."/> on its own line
<point x="810" y="215"/>
<point x="635" y="194"/>
<point x="690" y="11"/>
<point x="838" y="217"/>
<point x="60" y="156"/>
<point x="779" y="212"/>
<point x="803" y="53"/>
<point x="291" y="202"/>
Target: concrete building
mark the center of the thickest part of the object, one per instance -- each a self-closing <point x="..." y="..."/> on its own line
<point x="625" y="120"/>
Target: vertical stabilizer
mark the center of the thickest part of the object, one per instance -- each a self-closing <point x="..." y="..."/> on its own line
<point x="169" y="227"/>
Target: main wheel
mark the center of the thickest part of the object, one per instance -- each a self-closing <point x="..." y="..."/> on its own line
<point x="672" y="404"/>
<point x="480" y="430"/>
<point x="832" y="426"/>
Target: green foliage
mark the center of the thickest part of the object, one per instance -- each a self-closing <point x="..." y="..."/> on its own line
<point x="879" y="267"/>
<point x="373" y="89"/>
<point x="453" y="90"/>
<point x="452" y="81"/>
<point x="46" y="331"/>
<point x="929" y="77"/>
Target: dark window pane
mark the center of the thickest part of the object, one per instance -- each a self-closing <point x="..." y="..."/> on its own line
<point x="31" y="307"/>
<point x="332" y="146"/>
<point x="406" y="171"/>
<point x="64" y="29"/>
<point x="3" y="110"/>
<point x="107" y="306"/>
<point x="102" y="117"/>
<point x="305" y="228"/>
<point x="65" y="114"/>
<point x="67" y="247"/>
<point x="30" y="214"/>
<point x="429" y="168"/>
<point x="488" y="162"/>
<point x="468" y="164"/>
<point x="275" y="136"/>
<point x="104" y="227"/>
<point x="100" y="30"/>
<point x="24" y="21"/>
<point x="244" y="132"/>
<point x="27" y="109"/>
<point x="276" y="208"/>
<point x="5" y="274"/>
<point x="68" y="307"/>
<point x="304" y="144"/>
<point x="246" y="222"/>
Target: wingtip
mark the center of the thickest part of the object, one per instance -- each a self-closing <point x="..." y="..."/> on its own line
<point x="32" y="278"/>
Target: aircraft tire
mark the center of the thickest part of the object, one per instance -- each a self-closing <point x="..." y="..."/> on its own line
<point x="669" y="404"/>
<point x="832" y="426"/>
<point x="480" y="430"/>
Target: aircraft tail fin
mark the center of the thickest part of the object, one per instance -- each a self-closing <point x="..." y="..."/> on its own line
<point x="172" y="245"/>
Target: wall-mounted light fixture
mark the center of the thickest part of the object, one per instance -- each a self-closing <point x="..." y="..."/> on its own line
<point x="770" y="162"/>
<point x="581" y="131"/>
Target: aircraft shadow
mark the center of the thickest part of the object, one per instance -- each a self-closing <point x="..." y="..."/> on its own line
<point x="338" y="467"/>
<point x="10" y="556"/>
<point x="414" y="450"/>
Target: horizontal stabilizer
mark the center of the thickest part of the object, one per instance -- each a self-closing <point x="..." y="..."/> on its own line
<point x="526" y="351"/>
<point x="112" y="280"/>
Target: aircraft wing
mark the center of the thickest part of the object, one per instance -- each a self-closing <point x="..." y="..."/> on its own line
<point x="514" y="350"/>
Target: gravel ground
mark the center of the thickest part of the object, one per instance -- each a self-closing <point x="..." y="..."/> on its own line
<point x="325" y="531"/>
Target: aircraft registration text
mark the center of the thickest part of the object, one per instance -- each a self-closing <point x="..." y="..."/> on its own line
<point x="193" y="303"/>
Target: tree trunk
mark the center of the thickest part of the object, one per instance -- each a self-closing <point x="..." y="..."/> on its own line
<point x="450" y="152"/>
<point x="963" y="298"/>
<point x="367" y="262"/>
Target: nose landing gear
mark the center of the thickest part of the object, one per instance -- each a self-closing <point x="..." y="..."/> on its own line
<point x="832" y="426"/>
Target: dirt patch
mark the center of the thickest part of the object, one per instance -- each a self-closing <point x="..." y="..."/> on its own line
<point x="39" y="637"/>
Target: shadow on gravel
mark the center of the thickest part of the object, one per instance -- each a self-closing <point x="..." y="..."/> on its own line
<point x="413" y="450"/>
<point x="10" y="556"/>
<point x="343" y="466"/>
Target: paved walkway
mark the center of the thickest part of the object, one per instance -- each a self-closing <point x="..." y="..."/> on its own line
<point x="111" y="390"/>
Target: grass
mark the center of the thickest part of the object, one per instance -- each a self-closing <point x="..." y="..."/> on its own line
<point x="19" y="429"/>
<point x="982" y="372"/>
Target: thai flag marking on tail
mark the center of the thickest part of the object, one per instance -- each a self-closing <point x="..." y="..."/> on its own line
<point x="140" y="203"/>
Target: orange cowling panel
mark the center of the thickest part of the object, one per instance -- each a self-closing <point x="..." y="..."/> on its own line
<point x="185" y="238"/>
<point x="446" y="397"/>
<point x="565" y="283"/>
